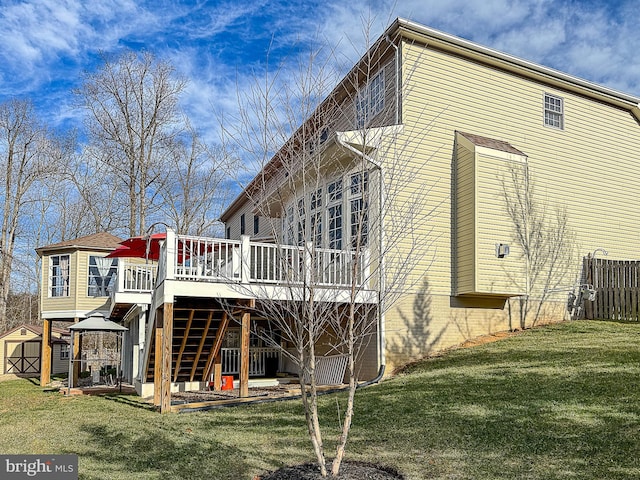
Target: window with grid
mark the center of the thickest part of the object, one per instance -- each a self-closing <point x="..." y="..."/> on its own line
<point x="370" y="100"/>
<point x="553" y="111"/>
<point x="315" y="208"/>
<point x="64" y="352"/>
<point x="59" y="276"/>
<point x="359" y="223"/>
<point x="334" y="214"/>
<point x="288" y="226"/>
<point x="302" y="224"/>
<point x="359" y="183"/>
<point x="335" y="227"/>
<point x="102" y="274"/>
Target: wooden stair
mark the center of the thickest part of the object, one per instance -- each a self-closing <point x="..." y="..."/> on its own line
<point x="196" y="334"/>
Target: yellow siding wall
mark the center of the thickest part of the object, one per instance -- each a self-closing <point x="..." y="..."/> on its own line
<point x="78" y="300"/>
<point x="496" y="275"/>
<point x="590" y="168"/>
<point x="464" y="232"/>
<point x="59" y="303"/>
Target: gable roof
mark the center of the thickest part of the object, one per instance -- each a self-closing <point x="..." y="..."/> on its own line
<point x="97" y="241"/>
<point x="491" y="143"/>
<point x="37" y="330"/>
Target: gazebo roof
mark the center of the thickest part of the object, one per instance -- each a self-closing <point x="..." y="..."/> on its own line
<point x="97" y="324"/>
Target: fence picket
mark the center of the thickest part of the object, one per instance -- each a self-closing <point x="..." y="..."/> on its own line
<point x="617" y="288"/>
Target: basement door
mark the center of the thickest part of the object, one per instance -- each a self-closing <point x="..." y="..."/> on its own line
<point x="22" y="357"/>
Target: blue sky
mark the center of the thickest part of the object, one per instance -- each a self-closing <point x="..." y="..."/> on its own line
<point x="219" y="45"/>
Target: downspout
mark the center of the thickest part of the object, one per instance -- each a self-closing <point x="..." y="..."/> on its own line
<point x="381" y="269"/>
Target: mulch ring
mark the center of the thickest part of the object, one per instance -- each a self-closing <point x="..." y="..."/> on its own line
<point x="348" y="471"/>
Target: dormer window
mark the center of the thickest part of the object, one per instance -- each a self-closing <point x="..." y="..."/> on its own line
<point x="59" y="276"/>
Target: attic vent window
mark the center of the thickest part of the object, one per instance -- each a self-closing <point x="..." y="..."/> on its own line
<point x="553" y="111"/>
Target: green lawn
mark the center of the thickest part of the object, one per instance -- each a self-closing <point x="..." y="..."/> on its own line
<point x="556" y="402"/>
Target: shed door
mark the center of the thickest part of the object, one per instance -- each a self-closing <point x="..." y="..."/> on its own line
<point x="22" y="357"/>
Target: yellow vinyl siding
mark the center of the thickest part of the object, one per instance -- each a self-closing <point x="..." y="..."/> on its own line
<point x="58" y="303"/>
<point x="500" y="276"/>
<point x="78" y="300"/>
<point x="465" y="220"/>
<point x="590" y="162"/>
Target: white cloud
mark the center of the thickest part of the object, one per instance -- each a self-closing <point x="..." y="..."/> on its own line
<point x="219" y="45"/>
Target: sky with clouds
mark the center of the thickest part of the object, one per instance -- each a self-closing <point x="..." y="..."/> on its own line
<point x="217" y="45"/>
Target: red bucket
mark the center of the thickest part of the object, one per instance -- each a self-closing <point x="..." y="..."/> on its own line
<point x="227" y="382"/>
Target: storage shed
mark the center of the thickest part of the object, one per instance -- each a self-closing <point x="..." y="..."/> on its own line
<point x="21" y="347"/>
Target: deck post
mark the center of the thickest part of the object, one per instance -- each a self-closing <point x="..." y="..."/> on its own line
<point x="77" y="354"/>
<point x="244" y="351"/>
<point x="167" y="354"/>
<point x="45" y="367"/>
<point x="171" y="255"/>
<point x="245" y="265"/>
<point x="217" y="372"/>
<point x="157" y="362"/>
<point x="308" y="263"/>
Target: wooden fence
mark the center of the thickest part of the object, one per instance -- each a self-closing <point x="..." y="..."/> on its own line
<point x="617" y="289"/>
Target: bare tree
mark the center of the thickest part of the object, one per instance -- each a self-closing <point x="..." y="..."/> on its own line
<point x="133" y="120"/>
<point x="92" y="202"/>
<point x="331" y="193"/>
<point x="199" y="185"/>
<point x="31" y="154"/>
<point x="547" y="243"/>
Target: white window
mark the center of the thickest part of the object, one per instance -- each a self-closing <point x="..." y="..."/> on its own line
<point x="334" y="191"/>
<point x="64" y="352"/>
<point x="359" y="183"/>
<point x="334" y="216"/>
<point x="302" y="222"/>
<point x="359" y="223"/>
<point x="316" y="214"/>
<point x="335" y="227"/>
<point x="102" y="273"/>
<point x="553" y="111"/>
<point x="59" y="276"/>
<point x="288" y="226"/>
<point x="370" y="100"/>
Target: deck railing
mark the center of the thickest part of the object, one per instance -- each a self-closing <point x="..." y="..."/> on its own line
<point x="185" y="257"/>
<point x="258" y="360"/>
<point x="136" y="277"/>
<point x="243" y="261"/>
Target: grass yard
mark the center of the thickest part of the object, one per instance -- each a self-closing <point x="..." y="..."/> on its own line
<point x="559" y="402"/>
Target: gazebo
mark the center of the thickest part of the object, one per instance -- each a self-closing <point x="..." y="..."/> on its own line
<point x="94" y="323"/>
